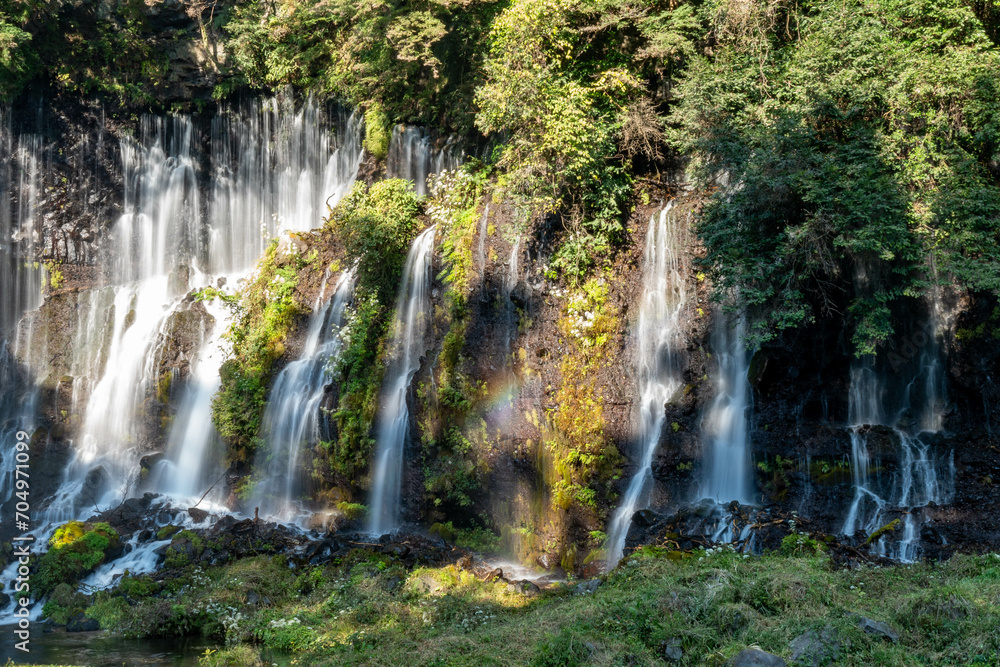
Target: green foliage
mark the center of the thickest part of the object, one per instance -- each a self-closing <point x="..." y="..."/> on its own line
<point x="562" y="119"/>
<point x="235" y="656"/>
<point x="75" y="550"/>
<point x="800" y="544"/>
<point x="365" y="608"/>
<point x="562" y="650"/>
<point x="861" y="141"/>
<point x="79" y="49"/>
<point x="185" y="546"/>
<point x="63" y="603"/>
<point x="376" y="224"/>
<point x="352" y="511"/>
<point x="166" y="531"/>
<point x="420" y="62"/>
<point x="581" y="458"/>
<point x="359" y="371"/>
<point x="263" y="314"/>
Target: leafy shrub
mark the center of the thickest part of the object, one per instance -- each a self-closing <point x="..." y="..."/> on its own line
<point x="235" y="656"/>
<point x="377" y="223"/>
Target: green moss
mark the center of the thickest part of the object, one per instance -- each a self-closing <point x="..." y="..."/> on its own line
<point x="352" y="511"/>
<point x="166" y="532"/>
<point x="263" y="315"/>
<point x="887" y="528"/>
<point x="75" y="550"/>
<point x="377" y="131"/>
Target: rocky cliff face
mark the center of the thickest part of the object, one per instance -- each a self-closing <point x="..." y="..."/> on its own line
<point x="514" y="349"/>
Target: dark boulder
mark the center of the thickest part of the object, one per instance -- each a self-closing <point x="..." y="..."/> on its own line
<point x="752" y="657"/>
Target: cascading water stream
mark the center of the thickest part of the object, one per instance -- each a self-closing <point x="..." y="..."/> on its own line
<point x="413" y="157"/>
<point x="923" y="476"/>
<point x="20" y="185"/>
<point x="510" y="328"/>
<point x="189" y="473"/>
<point x="292" y="416"/>
<point x="726" y="424"/>
<point x="408" y="345"/>
<point x="658" y="340"/>
<point x="158" y="233"/>
<point x="274" y="169"/>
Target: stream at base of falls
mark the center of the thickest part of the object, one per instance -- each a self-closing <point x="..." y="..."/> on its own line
<point x="54" y="646"/>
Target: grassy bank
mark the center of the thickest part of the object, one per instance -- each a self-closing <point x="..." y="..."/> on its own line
<point x="367" y="609"/>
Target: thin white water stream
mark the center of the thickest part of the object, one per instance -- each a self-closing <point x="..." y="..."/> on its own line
<point x="726" y="423"/>
<point x="414" y="157"/>
<point x="658" y="337"/>
<point x="408" y="345"/>
<point x="292" y="416"/>
<point x="924" y="475"/>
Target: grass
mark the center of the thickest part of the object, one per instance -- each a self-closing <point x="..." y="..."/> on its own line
<point x="369" y="610"/>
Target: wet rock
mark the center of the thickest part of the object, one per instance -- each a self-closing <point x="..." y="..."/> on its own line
<point x="672" y="650"/>
<point x="242" y="527"/>
<point x="878" y="629"/>
<point x="817" y="647"/>
<point x="253" y="598"/>
<point x="94" y="482"/>
<point x="524" y="587"/>
<point x="398" y="550"/>
<point x="197" y="515"/>
<point x="4" y="599"/>
<point x="546" y="561"/>
<point x="81" y="624"/>
<point x="586" y="587"/>
<point x="147" y="462"/>
<point x="496" y="574"/>
<point x="464" y="563"/>
<point x="752" y="657"/>
<point x="644" y="518"/>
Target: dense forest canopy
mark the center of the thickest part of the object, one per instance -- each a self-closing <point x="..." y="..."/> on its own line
<point x="853" y="146"/>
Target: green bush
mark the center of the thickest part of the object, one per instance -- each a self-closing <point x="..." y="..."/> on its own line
<point x="861" y="137"/>
<point x="376" y="224"/>
<point x="236" y="656"/>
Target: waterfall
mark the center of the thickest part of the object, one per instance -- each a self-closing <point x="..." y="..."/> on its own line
<point x="413" y="156"/>
<point x="158" y="234"/>
<point x="20" y="226"/>
<point x="726" y="423"/>
<point x="413" y="312"/>
<point x="18" y="404"/>
<point x="273" y="168"/>
<point x="292" y="417"/>
<point x="658" y="341"/>
<point x="276" y="169"/>
<point x="192" y="465"/>
<point x="509" y="283"/>
<point x="923" y="477"/>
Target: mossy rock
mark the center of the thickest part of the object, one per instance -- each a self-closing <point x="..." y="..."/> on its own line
<point x="76" y="548"/>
